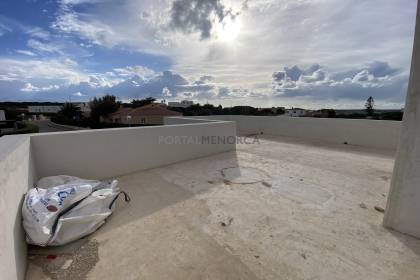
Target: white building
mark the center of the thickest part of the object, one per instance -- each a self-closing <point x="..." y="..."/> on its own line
<point x="49" y="109"/>
<point x="295" y="112"/>
<point x="182" y="104"/>
<point x="2" y="115"/>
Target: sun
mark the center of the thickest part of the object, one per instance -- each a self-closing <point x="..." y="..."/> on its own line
<point x="228" y="30"/>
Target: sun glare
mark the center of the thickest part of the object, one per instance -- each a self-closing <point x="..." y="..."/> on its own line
<point x="229" y="30"/>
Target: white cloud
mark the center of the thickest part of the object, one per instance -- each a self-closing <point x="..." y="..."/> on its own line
<point x="131" y="71"/>
<point x="31" y="69"/>
<point x="377" y="79"/>
<point x="70" y="62"/>
<point x="26" y="52"/>
<point x="123" y="23"/>
<point x="266" y="34"/>
<point x="190" y="16"/>
<point x="312" y="86"/>
<point x="103" y="81"/>
<point x="44" y="47"/>
<point x="66" y="75"/>
<point x="272" y="33"/>
<point x="71" y="22"/>
<point x="37" y="32"/>
<point x="28" y="87"/>
<point x="166" y="92"/>
<point x="4" y="29"/>
<point x="76" y="2"/>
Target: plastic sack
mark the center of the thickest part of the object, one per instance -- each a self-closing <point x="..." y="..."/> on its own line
<point x="63" y="208"/>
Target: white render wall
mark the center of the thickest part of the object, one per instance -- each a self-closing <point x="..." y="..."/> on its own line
<point x="369" y="133"/>
<point x="17" y="175"/>
<point x="92" y="154"/>
<point x="185" y="120"/>
<point x="106" y="153"/>
<point x="403" y="209"/>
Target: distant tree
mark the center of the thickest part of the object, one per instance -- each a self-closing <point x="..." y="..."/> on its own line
<point x="218" y="110"/>
<point x="280" y="110"/>
<point x="11" y="115"/>
<point x="70" y="111"/>
<point x="328" y="113"/>
<point x="193" y="110"/>
<point x="266" y="112"/>
<point x="142" y="102"/>
<point x="243" y="110"/>
<point x="394" y="116"/>
<point x="370" y="106"/>
<point x="209" y="109"/>
<point x="103" y="106"/>
<point x="69" y="114"/>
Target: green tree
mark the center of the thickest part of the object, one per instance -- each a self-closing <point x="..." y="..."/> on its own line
<point x="370" y="106"/>
<point x="103" y="106"/>
<point x="328" y="113"/>
<point x="70" y="111"/>
<point x="142" y="102"/>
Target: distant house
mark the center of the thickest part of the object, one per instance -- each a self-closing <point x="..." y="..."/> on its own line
<point x="6" y="126"/>
<point x="44" y="109"/>
<point x="295" y="112"/>
<point x="182" y="104"/>
<point x="2" y="115"/>
<point x="323" y="113"/>
<point x="122" y="115"/>
<point x="152" y="114"/>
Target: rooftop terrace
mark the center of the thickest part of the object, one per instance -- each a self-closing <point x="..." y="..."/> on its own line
<point x="295" y="200"/>
<point x="283" y="208"/>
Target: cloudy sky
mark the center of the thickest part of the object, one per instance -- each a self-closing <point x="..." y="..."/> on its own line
<point x="310" y="53"/>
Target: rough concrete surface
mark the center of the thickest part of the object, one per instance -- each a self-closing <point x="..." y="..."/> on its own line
<point x="283" y="209"/>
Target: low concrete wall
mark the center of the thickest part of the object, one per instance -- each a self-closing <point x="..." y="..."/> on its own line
<point x="113" y="152"/>
<point x="185" y="120"/>
<point x="17" y="175"/>
<point x="90" y="154"/>
<point x="369" y="133"/>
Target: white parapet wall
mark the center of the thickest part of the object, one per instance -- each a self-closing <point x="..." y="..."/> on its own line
<point x="94" y="154"/>
<point x="106" y="153"/>
<point x="187" y="120"/>
<point x="368" y="133"/>
<point x="17" y="175"/>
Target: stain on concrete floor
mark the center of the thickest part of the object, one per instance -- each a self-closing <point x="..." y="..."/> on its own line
<point x="306" y="224"/>
<point x="244" y="175"/>
<point x="67" y="266"/>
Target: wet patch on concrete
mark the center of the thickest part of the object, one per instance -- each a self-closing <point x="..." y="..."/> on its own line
<point x="302" y="192"/>
<point x="385" y="178"/>
<point x="68" y="266"/>
<point x="243" y="175"/>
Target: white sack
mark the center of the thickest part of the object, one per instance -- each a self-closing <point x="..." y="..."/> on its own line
<point x="64" y="208"/>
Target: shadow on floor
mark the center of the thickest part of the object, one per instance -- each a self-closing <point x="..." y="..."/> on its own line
<point x="411" y="244"/>
<point x="149" y="193"/>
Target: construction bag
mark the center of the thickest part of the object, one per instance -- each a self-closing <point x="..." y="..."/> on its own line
<point x="61" y="209"/>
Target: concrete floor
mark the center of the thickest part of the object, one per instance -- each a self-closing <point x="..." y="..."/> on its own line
<point x="293" y="210"/>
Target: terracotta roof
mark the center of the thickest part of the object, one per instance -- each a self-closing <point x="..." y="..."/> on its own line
<point x="121" y="111"/>
<point x="153" y="110"/>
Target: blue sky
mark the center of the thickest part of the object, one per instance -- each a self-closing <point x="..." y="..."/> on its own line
<point x="308" y="53"/>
